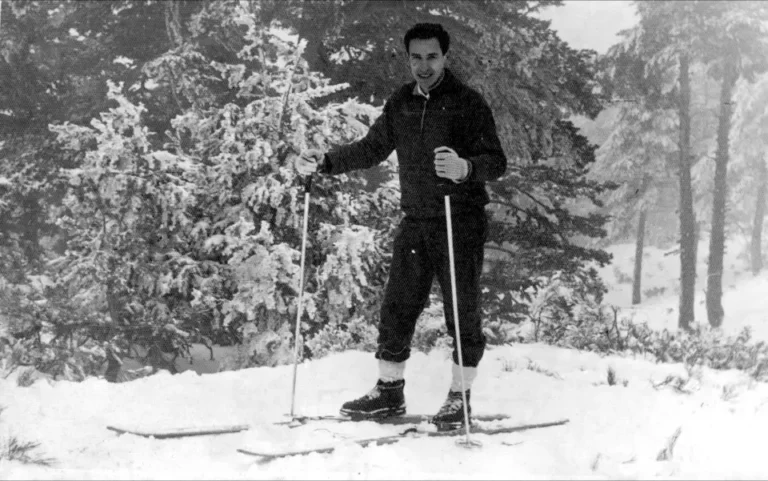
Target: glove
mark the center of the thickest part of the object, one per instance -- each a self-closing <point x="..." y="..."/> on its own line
<point x="450" y="166"/>
<point x="309" y="162"/>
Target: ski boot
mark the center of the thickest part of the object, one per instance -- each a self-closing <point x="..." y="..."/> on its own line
<point x="451" y="414"/>
<point x="385" y="400"/>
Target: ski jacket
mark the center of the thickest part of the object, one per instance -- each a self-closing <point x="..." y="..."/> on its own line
<point x="452" y="115"/>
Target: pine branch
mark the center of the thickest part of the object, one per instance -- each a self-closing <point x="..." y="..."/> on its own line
<point x="500" y="249"/>
<point x="543" y="221"/>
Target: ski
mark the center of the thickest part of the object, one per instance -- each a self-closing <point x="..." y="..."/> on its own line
<point x="180" y="432"/>
<point x="491" y="431"/>
<point x="266" y="455"/>
<point x="392" y="420"/>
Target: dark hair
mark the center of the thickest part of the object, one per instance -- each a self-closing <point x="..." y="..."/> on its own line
<point x="425" y="31"/>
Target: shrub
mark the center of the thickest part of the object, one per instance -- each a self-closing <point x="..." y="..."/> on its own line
<point x="357" y="334"/>
<point x="64" y="338"/>
<point x="431" y="332"/>
<point x="566" y="312"/>
<point x="260" y="348"/>
<point x="654" y="291"/>
<point x="15" y="449"/>
<point x="177" y="234"/>
<point x="620" y="276"/>
<point x="360" y="333"/>
<point x="600" y="329"/>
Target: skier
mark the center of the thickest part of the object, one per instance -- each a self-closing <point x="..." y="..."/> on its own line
<point x="446" y="143"/>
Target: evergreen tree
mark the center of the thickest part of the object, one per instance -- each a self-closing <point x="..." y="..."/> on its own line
<point x="176" y="234"/>
<point x="642" y="151"/>
<point x="167" y="189"/>
<point x="735" y="45"/>
<point x="533" y="81"/>
<point x="639" y="156"/>
<point x="748" y="184"/>
<point x="663" y="47"/>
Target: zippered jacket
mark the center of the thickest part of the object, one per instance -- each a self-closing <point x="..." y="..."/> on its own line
<point x="453" y="115"/>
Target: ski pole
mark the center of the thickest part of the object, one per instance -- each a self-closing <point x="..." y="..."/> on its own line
<point x="307" y="190"/>
<point x="468" y="442"/>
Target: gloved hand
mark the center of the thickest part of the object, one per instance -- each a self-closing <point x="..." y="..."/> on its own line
<point x="309" y="161"/>
<point x="450" y="166"/>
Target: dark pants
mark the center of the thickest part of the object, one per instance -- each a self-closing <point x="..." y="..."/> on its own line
<point x="420" y="253"/>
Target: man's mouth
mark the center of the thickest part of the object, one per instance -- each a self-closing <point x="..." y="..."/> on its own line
<point x="424" y="75"/>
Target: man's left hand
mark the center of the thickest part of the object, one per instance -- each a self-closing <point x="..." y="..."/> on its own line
<point x="449" y="165"/>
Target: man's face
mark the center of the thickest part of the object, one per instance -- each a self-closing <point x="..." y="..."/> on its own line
<point x="426" y="61"/>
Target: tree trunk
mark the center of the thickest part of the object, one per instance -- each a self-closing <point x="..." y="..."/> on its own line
<point x="717" y="237"/>
<point x="757" y="227"/>
<point x="639" y="243"/>
<point x="687" y="215"/>
<point x="173" y="24"/>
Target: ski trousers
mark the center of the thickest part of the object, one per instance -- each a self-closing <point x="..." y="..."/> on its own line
<point x="420" y="254"/>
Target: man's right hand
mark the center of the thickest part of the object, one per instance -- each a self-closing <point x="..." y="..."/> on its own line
<point x="309" y="161"/>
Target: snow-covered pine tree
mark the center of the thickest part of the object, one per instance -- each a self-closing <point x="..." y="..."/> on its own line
<point x="662" y="43"/>
<point x="748" y="179"/>
<point x="733" y="46"/>
<point x="199" y="230"/>
<point x="638" y="156"/>
<point x="641" y="153"/>
<point x="543" y="219"/>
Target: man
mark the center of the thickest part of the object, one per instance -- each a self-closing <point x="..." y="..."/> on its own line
<point x="446" y="144"/>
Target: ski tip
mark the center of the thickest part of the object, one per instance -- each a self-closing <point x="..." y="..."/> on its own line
<point x="180" y="432"/>
<point x="260" y="457"/>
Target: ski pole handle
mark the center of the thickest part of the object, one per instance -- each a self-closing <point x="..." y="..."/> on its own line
<point x="308" y="184"/>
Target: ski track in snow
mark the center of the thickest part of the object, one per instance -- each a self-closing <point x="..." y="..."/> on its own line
<point x="615" y="432"/>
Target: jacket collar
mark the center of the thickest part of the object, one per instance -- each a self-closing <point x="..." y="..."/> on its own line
<point x="445" y="83"/>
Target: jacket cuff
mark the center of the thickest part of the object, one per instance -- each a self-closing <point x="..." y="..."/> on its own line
<point x="325" y="165"/>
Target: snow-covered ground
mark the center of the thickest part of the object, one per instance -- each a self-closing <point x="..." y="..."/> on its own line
<point x="745" y="297"/>
<point x="615" y="431"/>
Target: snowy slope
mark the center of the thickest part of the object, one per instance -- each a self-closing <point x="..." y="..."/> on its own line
<point x="616" y="432"/>
<point x="745" y="297"/>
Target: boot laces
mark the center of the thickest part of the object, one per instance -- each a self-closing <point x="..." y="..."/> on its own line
<point x="373" y="393"/>
<point x="451" y="404"/>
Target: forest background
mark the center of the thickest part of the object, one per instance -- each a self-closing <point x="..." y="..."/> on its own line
<point x="148" y="200"/>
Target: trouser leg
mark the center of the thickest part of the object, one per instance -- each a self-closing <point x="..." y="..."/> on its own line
<point x="469" y="234"/>
<point x="407" y="292"/>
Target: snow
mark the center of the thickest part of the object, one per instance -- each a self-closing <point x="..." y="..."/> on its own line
<point x="744" y="295"/>
<point x="124" y="61"/>
<point x="615" y="431"/>
<point x="609" y="17"/>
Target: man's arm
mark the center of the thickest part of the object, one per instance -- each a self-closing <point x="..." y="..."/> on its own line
<point x="485" y="153"/>
<point x="372" y="149"/>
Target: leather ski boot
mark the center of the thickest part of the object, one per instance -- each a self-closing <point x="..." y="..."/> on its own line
<point x="386" y="399"/>
<point x="451" y="414"/>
